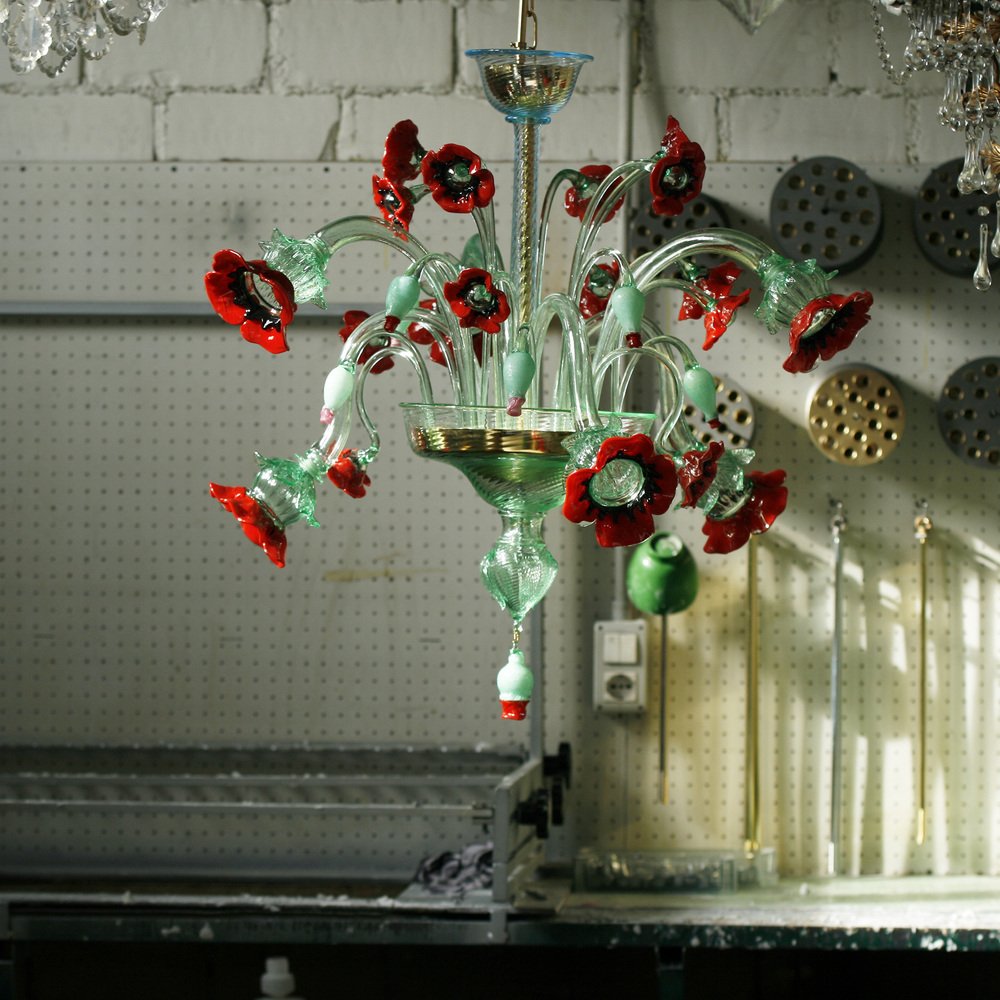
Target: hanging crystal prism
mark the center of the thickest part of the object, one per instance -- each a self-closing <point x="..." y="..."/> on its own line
<point x="752" y="13"/>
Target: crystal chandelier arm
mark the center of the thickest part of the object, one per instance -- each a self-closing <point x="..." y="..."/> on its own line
<point x="625" y="270"/>
<point x="671" y="395"/>
<point x="402" y="349"/>
<point x="435" y="269"/>
<point x="371" y="332"/>
<point x="623" y="178"/>
<point x="687" y="287"/>
<point x="543" y="226"/>
<point x="486" y="224"/>
<point x="661" y="339"/>
<point x="355" y="228"/>
<point x="574" y="386"/>
<point x="746" y="250"/>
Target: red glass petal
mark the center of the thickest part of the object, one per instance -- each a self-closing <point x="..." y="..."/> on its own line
<point x="625" y="527"/>
<point x="834" y="336"/>
<point x="256" y="523"/>
<point x="403" y="153"/>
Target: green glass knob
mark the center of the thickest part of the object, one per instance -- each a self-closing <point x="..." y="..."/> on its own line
<point x="402" y="296"/>
<point x="629" y="305"/>
<point x="699" y="384"/>
<point x="338" y="388"/>
<point x="662" y="577"/>
<point x="518" y="371"/>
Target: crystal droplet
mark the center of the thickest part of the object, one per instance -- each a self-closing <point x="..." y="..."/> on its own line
<point x="971" y="178"/>
<point x="995" y="245"/>
<point x="981" y="279"/>
<point x="31" y="35"/>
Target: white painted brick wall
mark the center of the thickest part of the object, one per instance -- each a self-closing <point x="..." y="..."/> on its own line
<point x="69" y="126"/>
<point x="248" y="127"/>
<point x="372" y="46"/>
<point x="324" y="79"/>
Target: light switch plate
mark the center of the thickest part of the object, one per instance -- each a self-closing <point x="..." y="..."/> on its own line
<point x="620" y="666"/>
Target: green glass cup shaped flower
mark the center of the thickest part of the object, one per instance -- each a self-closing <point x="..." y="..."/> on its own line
<point x="518" y="466"/>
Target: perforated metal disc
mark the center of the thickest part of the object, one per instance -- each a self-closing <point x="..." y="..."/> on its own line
<point x="736" y="416"/>
<point x="828" y="209"/>
<point x="647" y="231"/>
<point x="969" y="413"/>
<point x="946" y="223"/>
<point x="856" y="416"/>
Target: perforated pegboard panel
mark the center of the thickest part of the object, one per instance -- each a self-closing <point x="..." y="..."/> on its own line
<point x="924" y="325"/>
<point x="134" y="612"/>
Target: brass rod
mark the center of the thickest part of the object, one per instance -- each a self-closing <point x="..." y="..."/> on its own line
<point x="664" y="786"/>
<point x="524" y="228"/>
<point x="922" y="526"/>
<point x="837" y="526"/>
<point x="751" y="828"/>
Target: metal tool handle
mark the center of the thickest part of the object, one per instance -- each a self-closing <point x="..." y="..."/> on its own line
<point x="922" y="526"/>
<point x="838" y="524"/>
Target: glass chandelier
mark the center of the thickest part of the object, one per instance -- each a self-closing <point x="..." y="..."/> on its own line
<point x="961" y="40"/>
<point x="49" y="34"/>
<point x="487" y="321"/>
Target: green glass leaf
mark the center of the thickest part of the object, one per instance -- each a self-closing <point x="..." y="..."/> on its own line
<point x="287" y="489"/>
<point x="789" y="286"/>
<point x="303" y="262"/>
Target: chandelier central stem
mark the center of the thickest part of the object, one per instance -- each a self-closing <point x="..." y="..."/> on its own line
<point x="524" y="239"/>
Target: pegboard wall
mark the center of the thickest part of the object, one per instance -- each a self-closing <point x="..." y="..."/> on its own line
<point x="133" y="611"/>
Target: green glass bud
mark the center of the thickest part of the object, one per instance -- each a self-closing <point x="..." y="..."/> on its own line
<point x="518" y="371"/>
<point x="699" y="384"/>
<point x="662" y="577"/>
<point x="403" y="295"/>
<point x="338" y="388"/>
<point x="628" y="304"/>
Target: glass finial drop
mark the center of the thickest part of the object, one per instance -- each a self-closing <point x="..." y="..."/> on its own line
<point x="981" y="279"/>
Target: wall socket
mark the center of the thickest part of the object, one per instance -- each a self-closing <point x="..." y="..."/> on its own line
<point x="620" y="666"/>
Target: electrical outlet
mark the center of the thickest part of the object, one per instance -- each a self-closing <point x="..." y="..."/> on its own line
<point x="620" y="666"/>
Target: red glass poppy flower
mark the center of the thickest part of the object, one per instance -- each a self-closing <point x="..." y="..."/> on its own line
<point x="403" y="153"/>
<point x="717" y="283"/>
<point x="627" y="485"/>
<point x="457" y="179"/>
<point x="353" y="318"/>
<point x="696" y="471"/>
<point x="348" y="474"/>
<point x="580" y="193"/>
<point x="597" y="289"/>
<point x="677" y="176"/>
<point x="436" y="353"/>
<point x="393" y="201"/>
<point x="419" y="333"/>
<point x="252" y="296"/>
<point x="757" y="514"/>
<point x="849" y="315"/>
<point x="256" y="523"/>
<point x="475" y="301"/>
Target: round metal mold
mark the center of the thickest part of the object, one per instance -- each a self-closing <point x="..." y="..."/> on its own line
<point x="736" y="417"/>
<point x="946" y="223"/>
<point x="969" y="412"/>
<point x="828" y="209"/>
<point x="647" y="231"/>
<point x="855" y="416"/>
